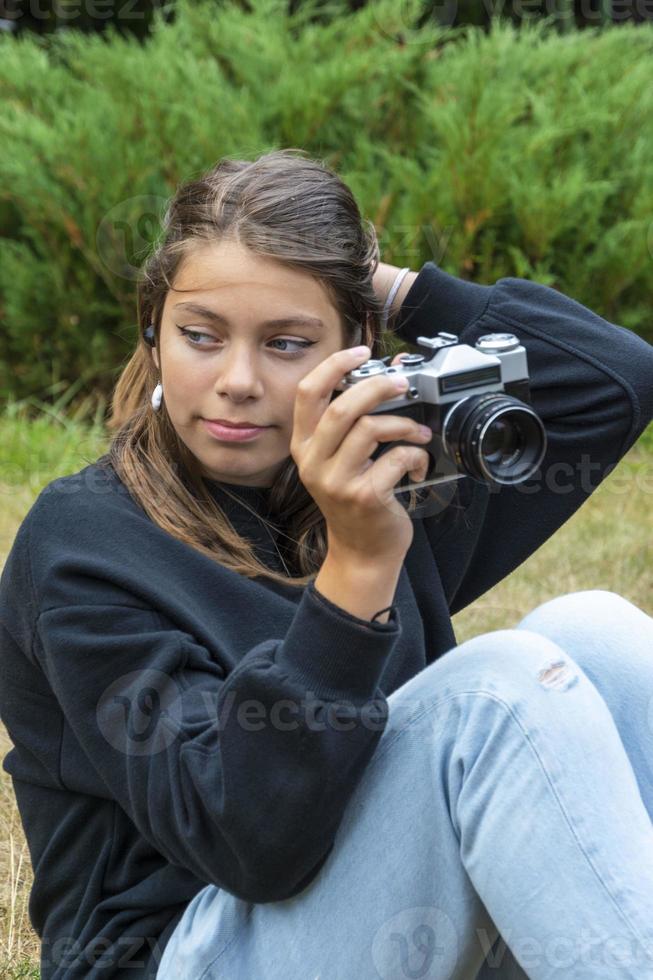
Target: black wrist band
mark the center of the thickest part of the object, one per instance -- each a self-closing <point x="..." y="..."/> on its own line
<point x="381" y="611"/>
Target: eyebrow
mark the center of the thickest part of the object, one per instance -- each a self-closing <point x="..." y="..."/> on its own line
<point x="285" y="321"/>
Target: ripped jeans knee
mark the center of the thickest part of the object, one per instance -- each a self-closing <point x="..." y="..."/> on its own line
<point x="558" y="674"/>
<point x="513" y="665"/>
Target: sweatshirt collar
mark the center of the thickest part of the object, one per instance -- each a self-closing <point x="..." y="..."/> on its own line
<point x="257" y="497"/>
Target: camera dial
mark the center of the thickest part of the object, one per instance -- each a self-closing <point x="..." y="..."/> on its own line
<point x="496" y="343"/>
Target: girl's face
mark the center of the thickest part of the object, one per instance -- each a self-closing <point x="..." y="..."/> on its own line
<point x="219" y="357"/>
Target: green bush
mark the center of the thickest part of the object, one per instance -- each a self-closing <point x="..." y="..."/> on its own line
<point x="514" y="153"/>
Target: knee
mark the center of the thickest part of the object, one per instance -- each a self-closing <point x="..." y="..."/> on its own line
<point x="592" y="609"/>
<point x="588" y="625"/>
<point x="508" y="663"/>
<point x="512" y="660"/>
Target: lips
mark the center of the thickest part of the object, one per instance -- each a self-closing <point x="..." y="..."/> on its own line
<point x="233" y="433"/>
<point x="237" y="425"/>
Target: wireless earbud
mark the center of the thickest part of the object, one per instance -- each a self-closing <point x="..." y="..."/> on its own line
<point x="149" y="336"/>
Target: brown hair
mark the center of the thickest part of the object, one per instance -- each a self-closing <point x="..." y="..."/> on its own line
<point x="284" y="206"/>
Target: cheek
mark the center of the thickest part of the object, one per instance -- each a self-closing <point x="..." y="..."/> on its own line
<point x="284" y="400"/>
<point x="285" y="394"/>
<point x="187" y="376"/>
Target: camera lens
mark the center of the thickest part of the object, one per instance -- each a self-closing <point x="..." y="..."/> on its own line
<point x="503" y="440"/>
<point x="494" y="438"/>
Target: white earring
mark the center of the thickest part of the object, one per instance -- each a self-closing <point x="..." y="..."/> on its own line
<point x="157" y="395"/>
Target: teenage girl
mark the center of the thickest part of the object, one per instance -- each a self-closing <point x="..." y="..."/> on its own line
<point x="247" y="745"/>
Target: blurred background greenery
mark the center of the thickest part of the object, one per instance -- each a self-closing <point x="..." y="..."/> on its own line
<point x="135" y="16"/>
<point x="514" y="151"/>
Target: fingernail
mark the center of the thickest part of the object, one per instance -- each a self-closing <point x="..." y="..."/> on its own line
<point x="425" y="430"/>
<point x="401" y="383"/>
<point x="359" y="351"/>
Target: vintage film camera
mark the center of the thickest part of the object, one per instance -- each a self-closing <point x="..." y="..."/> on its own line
<point x="476" y="400"/>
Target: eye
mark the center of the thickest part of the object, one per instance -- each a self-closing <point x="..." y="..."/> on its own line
<point x="298" y="343"/>
<point x="190" y="336"/>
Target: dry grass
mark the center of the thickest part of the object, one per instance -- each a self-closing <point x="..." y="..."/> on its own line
<point x="19" y="944"/>
<point x="606" y="545"/>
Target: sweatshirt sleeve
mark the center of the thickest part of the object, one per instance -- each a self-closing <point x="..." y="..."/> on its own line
<point x="241" y="779"/>
<point x="592" y="385"/>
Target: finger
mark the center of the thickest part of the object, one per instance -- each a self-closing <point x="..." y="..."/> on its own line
<point x="367" y="433"/>
<point x="315" y="390"/>
<point x="345" y="410"/>
<point x="386" y="472"/>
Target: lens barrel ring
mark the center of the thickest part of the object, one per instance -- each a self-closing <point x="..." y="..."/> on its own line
<point x="466" y="428"/>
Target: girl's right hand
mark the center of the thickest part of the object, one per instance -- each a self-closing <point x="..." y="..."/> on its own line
<point x="331" y="443"/>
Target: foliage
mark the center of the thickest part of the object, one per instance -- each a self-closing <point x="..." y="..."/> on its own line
<point x="21" y="971"/>
<point x="518" y="152"/>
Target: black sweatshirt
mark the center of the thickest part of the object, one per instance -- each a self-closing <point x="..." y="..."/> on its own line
<point x="177" y="724"/>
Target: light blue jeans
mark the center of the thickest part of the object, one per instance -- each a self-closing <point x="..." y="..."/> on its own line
<point x="503" y="828"/>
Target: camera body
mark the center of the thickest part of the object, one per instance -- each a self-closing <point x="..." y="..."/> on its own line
<point x="476" y="400"/>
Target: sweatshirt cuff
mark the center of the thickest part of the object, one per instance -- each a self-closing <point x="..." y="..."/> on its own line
<point x="334" y="654"/>
<point x="458" y="303"/>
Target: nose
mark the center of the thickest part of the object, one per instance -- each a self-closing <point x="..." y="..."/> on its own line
<point x="238" y="374"/>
